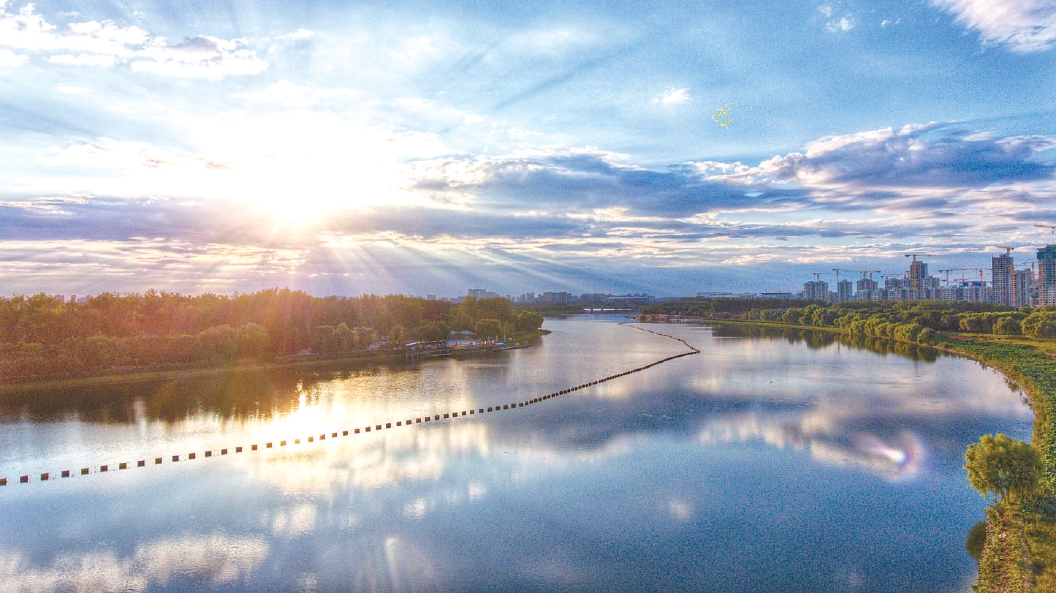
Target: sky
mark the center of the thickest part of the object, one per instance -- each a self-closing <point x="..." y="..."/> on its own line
<point x="586" y="146"/>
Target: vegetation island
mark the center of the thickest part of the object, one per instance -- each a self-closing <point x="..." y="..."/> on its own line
<point x="1016" y="546"/>
<point x="43" y="339"/>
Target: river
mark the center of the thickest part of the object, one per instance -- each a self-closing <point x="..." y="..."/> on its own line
<point x="768" y="462"/>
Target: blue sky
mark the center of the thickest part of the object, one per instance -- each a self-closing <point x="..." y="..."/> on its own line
<point x="421" y="148"/>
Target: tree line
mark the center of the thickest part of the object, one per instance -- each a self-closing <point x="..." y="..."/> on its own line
<point x="907" y="321"/>
<point x="44" y="337"/>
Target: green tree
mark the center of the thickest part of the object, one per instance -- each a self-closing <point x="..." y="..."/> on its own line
<point x="1007" y="326"/>
<point x="323" y="339"/>
<point x="488" y="328"/>
<point x="528" y="321"/>
<point x="399" y="334"/>
<point x="1006" y="468"/>
<point x="976" y="540"/>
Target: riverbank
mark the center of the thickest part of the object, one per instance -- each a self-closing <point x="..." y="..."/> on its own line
<point x="129" y="375"/>
<point x="137" y="375"/>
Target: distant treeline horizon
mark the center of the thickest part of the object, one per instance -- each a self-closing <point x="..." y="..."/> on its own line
<point x="42" y="336"/>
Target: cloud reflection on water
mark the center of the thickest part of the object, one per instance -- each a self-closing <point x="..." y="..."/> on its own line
<point x="211" y="560"/>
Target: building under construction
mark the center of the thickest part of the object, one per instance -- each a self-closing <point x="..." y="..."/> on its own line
<point x="1007" y="285"/>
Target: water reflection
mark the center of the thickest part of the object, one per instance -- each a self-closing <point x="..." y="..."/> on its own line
<point x="761" y="464"/>
<point x="817" y="340"/>
<point x="212" y="560"/>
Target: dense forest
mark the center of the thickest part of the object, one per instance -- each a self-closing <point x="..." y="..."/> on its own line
<point x="1016" y="545"/>
<point x="43" y="337"/>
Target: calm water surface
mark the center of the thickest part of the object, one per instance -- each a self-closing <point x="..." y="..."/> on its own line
<point x="766" y="463"/>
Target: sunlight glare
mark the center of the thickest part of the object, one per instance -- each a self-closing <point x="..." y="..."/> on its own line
<point x="300" y="167"/>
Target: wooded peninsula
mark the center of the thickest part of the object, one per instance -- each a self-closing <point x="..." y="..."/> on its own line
<point x="43" y="338"/>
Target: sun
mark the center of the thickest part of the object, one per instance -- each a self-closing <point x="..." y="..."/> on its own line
<point x="300" y="167"/>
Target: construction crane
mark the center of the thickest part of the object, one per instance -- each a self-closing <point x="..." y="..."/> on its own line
<point x="862" y="272"/>
<point x="889" y="276"/>
<point x="980" y="270"/>
<point x="1008" y="250"/>
<point x="916" y="255"/>
<point x="1047" y="226"/>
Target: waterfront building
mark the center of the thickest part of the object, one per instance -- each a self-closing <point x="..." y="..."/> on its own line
<point x="978" y="292"/>
<point x="918" y="273"/>
<point x="1003" y="272"/>
<point x="844" y="291"/>
<point x="1046" y="275"/>
<point x="556" y="297"/>
<point x="868" y="290"/>
<point x="816" y="290"/>
<point x="1023" y="288"/>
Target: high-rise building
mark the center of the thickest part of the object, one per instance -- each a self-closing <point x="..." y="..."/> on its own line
<point x="918" y="273"/>
<point x="1023" y="288"/>
<point x="867" y="284"/>
<point x="817" y="290"/>
<point x="868" y="290"/>
<point x="844" y="291"/>
<point x="1004" y="274"/>
<point x="1046" y="274"/>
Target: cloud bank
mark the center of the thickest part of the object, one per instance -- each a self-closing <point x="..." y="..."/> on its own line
<point x="93" y="43"/>
<point x="551" y="216"/>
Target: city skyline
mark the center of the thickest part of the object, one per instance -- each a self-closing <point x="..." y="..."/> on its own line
<point x="590" y="147"/>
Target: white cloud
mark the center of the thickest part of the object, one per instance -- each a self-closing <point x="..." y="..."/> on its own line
<point x="835" y="25"/>
<point x="1024" y="25"/>
<point x="25" y="30"/>
<point x="299" y="35"/>
<point x="672" y="96"/>
<point x="83" y="60"/>
<point x="70" y="89"/>
<point x="9" y="59"/>
<point x="92" y="43"/>
<point x="914" y="156"/>
<point x="201" y="57"/>
<point x="844" y="24"/>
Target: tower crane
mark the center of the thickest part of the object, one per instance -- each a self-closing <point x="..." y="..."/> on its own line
<point x="870" y="272"/>
<point x="862" y="272"/>
<point x="1047" y="226"/>
<point x="887" y="277"/>
<point x="916" y="255"/>
<point x="980" y="270"/>
<point x="1008" y="250"/>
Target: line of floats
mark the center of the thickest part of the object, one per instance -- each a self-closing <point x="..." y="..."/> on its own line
<point x="125" y="465"/>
